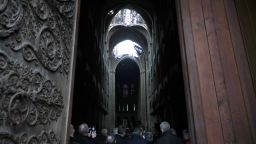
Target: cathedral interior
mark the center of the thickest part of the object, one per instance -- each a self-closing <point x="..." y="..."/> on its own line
<point x="130" y="63"/>
<point x="144" y="88"/>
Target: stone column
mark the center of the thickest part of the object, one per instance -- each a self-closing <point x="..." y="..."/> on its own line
<point x="110" y="118"/>
<point x="142" y="101"/>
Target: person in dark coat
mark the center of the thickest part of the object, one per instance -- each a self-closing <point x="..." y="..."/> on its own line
<point x="102" y="137"/>
<point x="186" y="137"/>
<point x="167" y="136"/>
<point x="121" y="136"/>
<point x="72" y="139"/>
<point x="83" y="135"/>
<point x="136" y="138"/>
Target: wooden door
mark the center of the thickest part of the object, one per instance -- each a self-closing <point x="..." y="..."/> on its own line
<point x="217" y="77"/>
<point x="36" y="66"/>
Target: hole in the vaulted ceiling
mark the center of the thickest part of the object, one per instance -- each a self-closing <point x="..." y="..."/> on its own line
<point x="127" y="48"/>
<point x="127" y="17"/>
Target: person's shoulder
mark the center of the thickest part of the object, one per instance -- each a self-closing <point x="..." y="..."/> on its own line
<point x="73" y="140"/>
<point x="176" y="139"/>
<point x="158" y="141"/>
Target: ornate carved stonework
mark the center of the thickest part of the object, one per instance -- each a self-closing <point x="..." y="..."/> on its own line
<point x="36" y="47"/>
<point x="40" y="29"/>
<point x="27" y="98"/>
<point x="44" y="138"/>
<point x="11" y="13"/>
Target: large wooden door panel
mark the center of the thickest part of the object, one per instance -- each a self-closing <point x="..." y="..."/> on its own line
<point x="36" y="60"/>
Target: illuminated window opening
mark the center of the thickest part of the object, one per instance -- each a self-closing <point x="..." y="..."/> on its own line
<point x="127" y="17"/>
<point x="127" y="48"/>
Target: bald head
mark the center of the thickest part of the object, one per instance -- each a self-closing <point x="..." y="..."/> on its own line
<point x="110" y="139"/>
<point x="83" y="129"/>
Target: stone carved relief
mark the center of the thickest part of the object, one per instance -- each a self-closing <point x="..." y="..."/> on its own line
<point x="44" y="138"/>
<point x="41" y="30"/>
<point x="47" y="50"/>
<point x="11" y="13"/>
<point x="27" y="97"/>
<point x="41" y="33"/>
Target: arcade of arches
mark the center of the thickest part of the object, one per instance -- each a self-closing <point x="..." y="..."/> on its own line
<point x="191" y="70"/>
<point x="128" y="62"/>
<point x="114" y="88"/>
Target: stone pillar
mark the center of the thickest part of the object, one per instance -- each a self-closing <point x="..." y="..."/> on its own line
<point x="142" y="102"/>
<point x="110" y="118"/>
<point x="147" y="92"/>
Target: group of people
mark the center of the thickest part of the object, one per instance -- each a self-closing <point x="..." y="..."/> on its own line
<point x="87" y="135"/>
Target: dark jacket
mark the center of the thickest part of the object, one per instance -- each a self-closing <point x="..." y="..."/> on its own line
<point x="136" y="139"/>
<point x="73" y="140"/>
<point x="101" y="139"/>
<point x="169" y="138"/>
<point x="120" y="139"/>
<point x="84" y="139"/>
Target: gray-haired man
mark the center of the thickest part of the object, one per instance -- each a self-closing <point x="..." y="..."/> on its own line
<point x="167" y="135"/>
